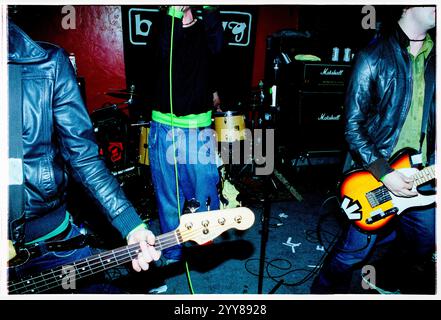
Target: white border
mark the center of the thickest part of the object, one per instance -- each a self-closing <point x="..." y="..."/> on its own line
<point x="3" y="143"/>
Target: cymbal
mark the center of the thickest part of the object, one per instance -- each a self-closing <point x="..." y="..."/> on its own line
<point x="122" y="94"/>
<point x="131" y="90"/>
<point x="128" y="93"/>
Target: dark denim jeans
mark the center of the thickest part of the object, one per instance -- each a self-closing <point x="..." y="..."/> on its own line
<point x="416" y="228"/>
<point x="197" y="174"/>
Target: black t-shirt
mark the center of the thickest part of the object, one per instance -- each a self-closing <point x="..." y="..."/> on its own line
<point x="194" y="66"/>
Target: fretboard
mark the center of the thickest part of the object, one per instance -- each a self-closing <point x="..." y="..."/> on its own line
<point x="60" y="276"/>
<point x="424" y="175"/>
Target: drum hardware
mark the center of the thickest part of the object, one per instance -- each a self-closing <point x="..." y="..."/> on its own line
<point x="122" y="95"/>
<point x="119" y="172"/>
<point x="133" y="100"/>
<point x="125" y="140"/>
<point x="140" y="124"/>
<point x="127" y="94"/>
<point x="131" y="90"/>
<point x="111" y="131"/>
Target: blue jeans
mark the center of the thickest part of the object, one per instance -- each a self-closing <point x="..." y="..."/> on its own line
<point x="197" y="174"/>
<point x="417" y="229"/>
<point x="53" y="259"/>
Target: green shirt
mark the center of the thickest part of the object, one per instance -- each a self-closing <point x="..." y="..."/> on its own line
<point x="410" y="133"/>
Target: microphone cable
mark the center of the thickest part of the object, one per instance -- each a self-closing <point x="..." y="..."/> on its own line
<point x="173" y="141"/>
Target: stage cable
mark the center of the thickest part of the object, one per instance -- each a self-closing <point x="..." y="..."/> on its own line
<point x="286" y="266"/>
<point x="173" y="142"/>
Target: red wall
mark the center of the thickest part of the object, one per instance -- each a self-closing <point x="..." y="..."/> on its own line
<point x="270" y="19"/>
<point x="97" y="43"/>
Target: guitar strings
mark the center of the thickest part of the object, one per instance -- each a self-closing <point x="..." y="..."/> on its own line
<point x="164" y="244"/>
<point x="95" y="262"/>
<point x="425" y="175"/>
<point x="92" y="266"/>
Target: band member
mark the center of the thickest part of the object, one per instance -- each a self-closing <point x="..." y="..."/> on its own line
<point x="58" y="142"/>
<point x="390" y="104"/>
<point x="185" y="110"/>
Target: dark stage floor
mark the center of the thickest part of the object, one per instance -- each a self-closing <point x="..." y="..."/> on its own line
<point x="299" y="235"/>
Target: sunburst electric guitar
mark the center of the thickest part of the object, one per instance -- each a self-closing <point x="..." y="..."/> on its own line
<point x="370" y="205"/>
<point x="199" y="227"/>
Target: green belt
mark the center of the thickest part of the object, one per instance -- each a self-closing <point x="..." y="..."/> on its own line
<point x="189" y="121"/>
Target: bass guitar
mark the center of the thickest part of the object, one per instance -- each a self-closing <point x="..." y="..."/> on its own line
<point x="370" y="205"/>
<point x="199" y="227"/>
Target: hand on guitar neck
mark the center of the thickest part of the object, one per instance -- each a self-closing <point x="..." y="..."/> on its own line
<point x="399" y="184"/>
<point x="146" y="241"/>
<point x="199" y="227"/>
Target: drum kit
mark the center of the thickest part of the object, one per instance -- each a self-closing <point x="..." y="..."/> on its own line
<point x="123" y="137"/>
<point x="116" y="137"/>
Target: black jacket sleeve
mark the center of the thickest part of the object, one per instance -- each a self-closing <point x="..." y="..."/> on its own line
<point x="360" y="104"/>
<point x="77" y="143"/>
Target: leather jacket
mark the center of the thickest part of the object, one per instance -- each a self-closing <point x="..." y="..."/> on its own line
<point x="58" y="140"/>
<point x="378" y="100"/>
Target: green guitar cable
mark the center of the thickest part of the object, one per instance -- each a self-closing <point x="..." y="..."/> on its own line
<point x="174" y="145"/>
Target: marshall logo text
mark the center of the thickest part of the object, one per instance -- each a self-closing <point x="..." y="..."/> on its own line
<point x="329" y="72"/>
<point x="327" y="117"/>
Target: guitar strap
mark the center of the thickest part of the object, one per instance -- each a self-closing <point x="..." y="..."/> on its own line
<point x="16" y="183"/>
<point x="428" y="96"/>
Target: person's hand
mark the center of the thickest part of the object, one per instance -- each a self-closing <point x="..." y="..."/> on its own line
<point x="148" y="253"/>
<point x="399" y="184"/>
<point x="216" y="102"/>
<point x="187" y="20"/>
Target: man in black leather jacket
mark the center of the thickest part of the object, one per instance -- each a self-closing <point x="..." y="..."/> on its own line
<point x="58" y="139"/>
<point x="390" y="104"/>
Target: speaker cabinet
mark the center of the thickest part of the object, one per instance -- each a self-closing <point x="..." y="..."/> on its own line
<point x="320" y="121"/>
<point x="313" y="121"/>
<point x="312" y="106"/>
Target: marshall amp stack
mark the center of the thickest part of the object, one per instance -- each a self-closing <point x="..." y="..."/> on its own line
<point x="312" y="105"/>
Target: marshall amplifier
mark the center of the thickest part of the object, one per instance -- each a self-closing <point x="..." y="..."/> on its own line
<point x="311" y="99"/>
<point x="315" y="76"/>
<point x="325" y="76"/>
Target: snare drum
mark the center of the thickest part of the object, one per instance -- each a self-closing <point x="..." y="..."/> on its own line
<point x="229" y="126"/>
<point x="144" y="145"/>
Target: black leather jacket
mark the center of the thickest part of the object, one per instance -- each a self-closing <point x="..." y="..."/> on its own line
<point x="378" y="100"/>
<point x="58" y="139"/>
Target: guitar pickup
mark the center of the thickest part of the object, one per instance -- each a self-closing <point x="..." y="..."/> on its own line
<point x="380" y="214"/>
